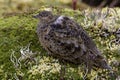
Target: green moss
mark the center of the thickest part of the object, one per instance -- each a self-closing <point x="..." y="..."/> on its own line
<point x="17" y="31"/>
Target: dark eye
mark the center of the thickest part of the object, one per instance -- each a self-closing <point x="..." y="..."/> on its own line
<point x="40" y="14"/>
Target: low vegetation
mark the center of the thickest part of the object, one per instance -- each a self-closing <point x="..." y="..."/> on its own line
<point x="23" y="58"/>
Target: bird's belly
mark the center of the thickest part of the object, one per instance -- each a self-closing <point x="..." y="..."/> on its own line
<point x="56" y="47"/>
<point x="61" y="50"/>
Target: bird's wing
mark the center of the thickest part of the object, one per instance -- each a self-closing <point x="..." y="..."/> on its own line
<point x="89" y="42"/>
<point x="70" y="32"/>
<point x="65" y="38"/>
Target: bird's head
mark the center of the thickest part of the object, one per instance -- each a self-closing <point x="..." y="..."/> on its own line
<point x="44" y="16"/>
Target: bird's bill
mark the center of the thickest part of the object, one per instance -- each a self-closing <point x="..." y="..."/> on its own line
<point x="36" y="16"/>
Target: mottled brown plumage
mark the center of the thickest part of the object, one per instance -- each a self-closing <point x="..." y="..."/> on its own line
<point x="65" y="40"/>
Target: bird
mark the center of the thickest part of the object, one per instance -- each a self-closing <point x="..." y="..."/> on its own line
<point x="102" y="3"/>
<point x="63" y="38"/>
<point x="98" y="3"/>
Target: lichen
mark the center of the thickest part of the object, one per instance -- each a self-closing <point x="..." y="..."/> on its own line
<point x="19" y="30"/>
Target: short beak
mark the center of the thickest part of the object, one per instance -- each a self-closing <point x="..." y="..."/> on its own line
<point x="36" y="16"/>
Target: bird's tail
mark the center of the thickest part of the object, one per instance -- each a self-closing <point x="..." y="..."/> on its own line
<point x="100" y="62"/>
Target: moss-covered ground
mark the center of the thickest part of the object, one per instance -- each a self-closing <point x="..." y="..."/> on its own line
<point x="23" y="58"/>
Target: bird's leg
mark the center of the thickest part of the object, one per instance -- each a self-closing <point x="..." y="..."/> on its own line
<point x="62" y="72"/>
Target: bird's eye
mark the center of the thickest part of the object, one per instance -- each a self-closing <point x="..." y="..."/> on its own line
<point x="40" y="14"/>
